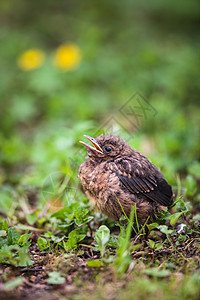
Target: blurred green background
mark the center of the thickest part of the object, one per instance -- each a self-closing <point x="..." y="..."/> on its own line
<point x="121" y="48"/>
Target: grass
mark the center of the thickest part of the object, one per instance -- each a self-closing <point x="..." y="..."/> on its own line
<point x="53" y="242"/>
<point x="137" y="77"/>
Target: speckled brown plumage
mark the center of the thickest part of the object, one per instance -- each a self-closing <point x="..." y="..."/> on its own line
<point x="113" y="173"/>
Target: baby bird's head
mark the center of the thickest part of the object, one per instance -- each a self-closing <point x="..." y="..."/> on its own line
<point x="107" y="147"/>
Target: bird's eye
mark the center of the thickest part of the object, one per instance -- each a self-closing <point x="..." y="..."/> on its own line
<point x="108" y="149"/>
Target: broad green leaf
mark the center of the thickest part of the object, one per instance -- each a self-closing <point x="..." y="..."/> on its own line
<point x="152" y="226"/>
<point x="74" y="237"/>
<point x="174" y="218"/>
<point x="94" y="263"/>
<point x="151" y="244"/>
<point x="57" y="239"/>
<point x="82" y="217"/>
<point x="42" y="243"/>
<point x="6" y="254"/>
<point x="102" y="236"/>
<point x="164" y="229"/>
<point x="158" y="246"/>
<point x="15" y="255"/>
<point x="12" y="236"/>
<point x="23" y="259"/>
<point x="13" y="283"/>
<point x="60" y="214"/>
<point x="32" y="218"/>
<point x="55" y="278"/>
<point x="23" y="239"/>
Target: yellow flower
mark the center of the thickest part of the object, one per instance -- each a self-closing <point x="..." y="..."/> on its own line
<point x="54" y="204"/>
<point x="67" y="57"/>
<point x="31" y="59"/>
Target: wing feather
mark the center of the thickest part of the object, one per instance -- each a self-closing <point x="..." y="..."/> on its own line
<point x="139" y="176"/>
<point x="157" y="190"/>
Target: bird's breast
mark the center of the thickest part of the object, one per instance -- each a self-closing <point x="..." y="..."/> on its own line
<point x="98" y="183"/>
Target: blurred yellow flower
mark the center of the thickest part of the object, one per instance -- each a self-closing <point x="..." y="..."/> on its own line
<point x="67" y="57"/>
<point x="31" y="59"/>
<point x="54" y="204"/>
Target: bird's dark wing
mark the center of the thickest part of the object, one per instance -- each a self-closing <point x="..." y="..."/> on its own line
<point x="141" y="177"/>
<point x="157" y="190"/>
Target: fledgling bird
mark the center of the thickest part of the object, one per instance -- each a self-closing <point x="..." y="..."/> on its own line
<point x="114" y="176"/>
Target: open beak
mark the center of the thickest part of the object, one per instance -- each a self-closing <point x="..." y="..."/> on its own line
<point x="96" y="148"/>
